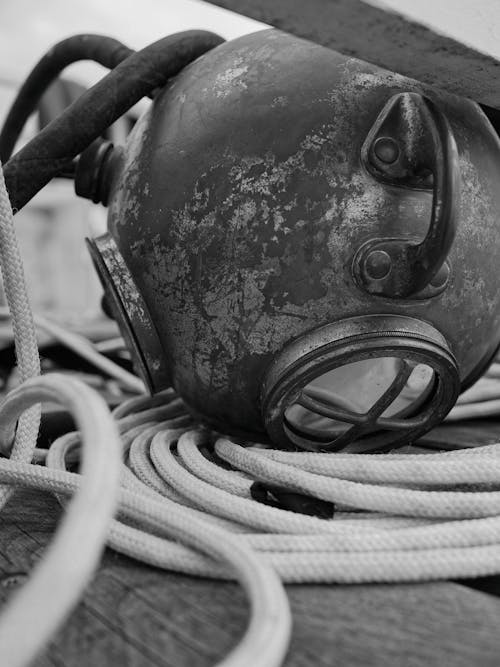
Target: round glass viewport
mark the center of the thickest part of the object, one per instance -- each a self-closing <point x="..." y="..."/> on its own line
<point x="357" y="388"/>
<point x="366" y="383"/>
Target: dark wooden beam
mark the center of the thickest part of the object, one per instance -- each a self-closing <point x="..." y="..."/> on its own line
<point x="391" y="40"/>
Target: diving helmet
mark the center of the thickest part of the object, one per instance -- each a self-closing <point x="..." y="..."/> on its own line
<point x="305" y="246"/>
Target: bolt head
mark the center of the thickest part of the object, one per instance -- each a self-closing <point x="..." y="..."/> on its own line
<point x="386" y="150"/>
<point x="378" y="264"/>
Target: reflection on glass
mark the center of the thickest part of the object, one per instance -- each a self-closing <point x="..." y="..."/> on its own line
<point x="356" y="387"/>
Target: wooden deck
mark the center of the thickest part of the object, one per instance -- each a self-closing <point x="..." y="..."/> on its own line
<point x="133" y="615"/>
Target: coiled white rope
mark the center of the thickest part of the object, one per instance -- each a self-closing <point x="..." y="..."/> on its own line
<point x="60" y="578"/>
<point x="419" y="526"/>
<point x="399" y="517"/>
<point x="28" y="361"/>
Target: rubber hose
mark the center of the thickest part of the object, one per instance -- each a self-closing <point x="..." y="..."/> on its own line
<point x="106" y="51"/>
<point x="86" y="119"/>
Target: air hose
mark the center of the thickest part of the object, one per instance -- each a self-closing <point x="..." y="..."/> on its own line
<point x="106" y="51"/>
<point x="135" y="77"/>
<point x="183" y="497"/>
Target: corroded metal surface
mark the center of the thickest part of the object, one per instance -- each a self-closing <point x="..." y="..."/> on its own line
<point x="388" y="39"/>
<point x="243" y="201"/>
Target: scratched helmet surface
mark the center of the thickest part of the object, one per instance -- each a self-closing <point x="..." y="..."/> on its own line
<point x="305" y="246"/>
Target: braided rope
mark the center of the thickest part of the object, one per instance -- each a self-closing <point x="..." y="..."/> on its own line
<point x="429" y="527"/>
<point x="14" y="284"/>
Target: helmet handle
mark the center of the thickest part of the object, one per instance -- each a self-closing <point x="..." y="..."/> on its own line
<point x="411" y="144"/>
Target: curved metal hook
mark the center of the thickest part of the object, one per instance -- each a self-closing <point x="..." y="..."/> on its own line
<point x="411" y="144"/>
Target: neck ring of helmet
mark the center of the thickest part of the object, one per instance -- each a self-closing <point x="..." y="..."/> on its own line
<point x="367" y="383"/>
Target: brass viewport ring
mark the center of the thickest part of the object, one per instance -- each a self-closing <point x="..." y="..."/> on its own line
<point x="408" y="340"/>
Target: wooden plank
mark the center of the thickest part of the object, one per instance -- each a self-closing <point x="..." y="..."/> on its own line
<point x="400" y="36"/>
<point x="138" y="616"/>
